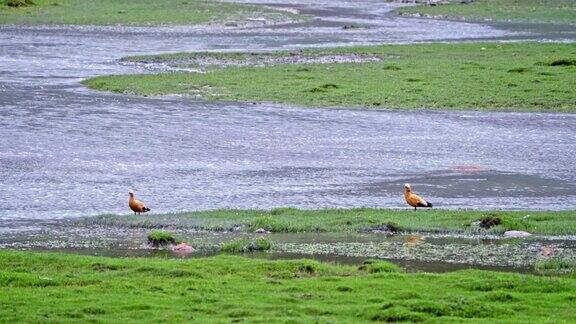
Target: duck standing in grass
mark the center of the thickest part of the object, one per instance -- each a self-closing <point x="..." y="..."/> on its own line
<point x="413" y="199"/>
<point x="136" y="205"/>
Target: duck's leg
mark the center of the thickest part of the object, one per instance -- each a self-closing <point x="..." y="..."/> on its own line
<point x="414" y="208"/>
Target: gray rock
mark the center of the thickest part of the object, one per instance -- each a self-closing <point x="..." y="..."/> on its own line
<point x="516" y="234"/>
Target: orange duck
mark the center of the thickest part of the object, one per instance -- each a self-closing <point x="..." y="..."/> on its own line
<point x="413" y="199"/>
<point x="136" y="205"/>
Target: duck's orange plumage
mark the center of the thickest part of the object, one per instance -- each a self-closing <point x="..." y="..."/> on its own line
<point x="136" y="205"/>
<point x="413" y="199"/>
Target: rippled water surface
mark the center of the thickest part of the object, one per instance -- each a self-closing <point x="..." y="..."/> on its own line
<point x="66" y="151"/>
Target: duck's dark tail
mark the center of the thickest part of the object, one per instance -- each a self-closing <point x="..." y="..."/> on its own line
<point x="428" y="204"/>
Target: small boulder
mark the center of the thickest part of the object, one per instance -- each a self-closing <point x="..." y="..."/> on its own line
<point x="516" y="234"/>
<point x="182" y="249"/>
<point x="262" y="231"/>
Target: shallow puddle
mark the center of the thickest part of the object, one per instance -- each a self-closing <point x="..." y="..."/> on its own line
<point x="415" y="252"/>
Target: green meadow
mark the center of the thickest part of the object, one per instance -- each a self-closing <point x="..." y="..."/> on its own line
<point x="533" y="77"/>
<point x="50" y="287"/>
<point x="133" y="13"/>
<point x="349" y="220"/>
<point x="531" y="11"/>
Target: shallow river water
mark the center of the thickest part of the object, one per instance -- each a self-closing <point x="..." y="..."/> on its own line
<point x="66" y="151"/>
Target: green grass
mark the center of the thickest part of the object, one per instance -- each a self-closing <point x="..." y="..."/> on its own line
<point x="348" y="220"/>
<point x="135" y="12"/>
<point x="161" y="238"/>
<point x="479" y="76"/>
<point x="46" y="287"/>
<point x="246" y="245"/>
<point x="533" y="11"/>
<point x="555" y="267"/>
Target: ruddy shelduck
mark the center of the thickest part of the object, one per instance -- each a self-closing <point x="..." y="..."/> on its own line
<point x="136" y="205"/>
<point x="413" y="199"/>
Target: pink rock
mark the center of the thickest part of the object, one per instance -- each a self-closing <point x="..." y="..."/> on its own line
<point x="182" y="248"/>
<point x="516" y="234"/>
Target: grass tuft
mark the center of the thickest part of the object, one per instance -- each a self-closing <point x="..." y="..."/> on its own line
<point x="245" y="245"/>
<point x="563" y="62"/>
<point x="519" y="70"/>
<point x="283" y="210"/>
<point x="431" y="307"/>
<point x="94" y="310"/>
<point x="378" y="266"/>
<point x="397" y="314"/>
<point x="500" y="296"/>
<point x="19" y="3"/>
<point x="490" y="220"/>
<point x="392" y="67"/>
<point x="161" y="238"/>
<point x="555" y="267"/>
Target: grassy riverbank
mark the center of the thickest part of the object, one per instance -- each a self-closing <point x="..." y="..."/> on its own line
<point x="479" y="76"/>
<point x="532" y="11"/>
<point x="134" y="13"/>
<point x="349" y="220"/>
<point x="41" y="287"/>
